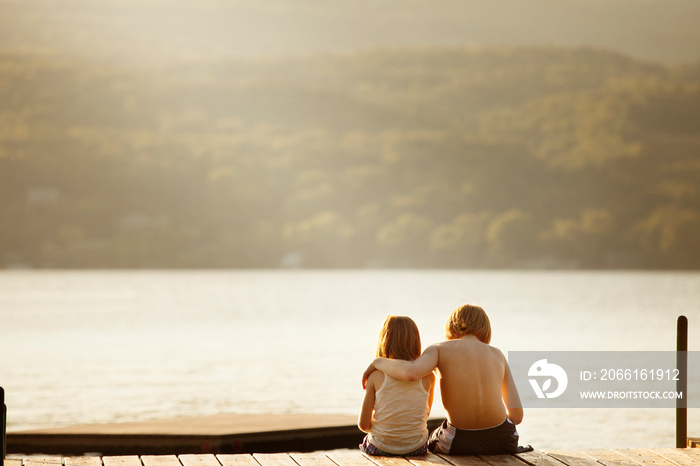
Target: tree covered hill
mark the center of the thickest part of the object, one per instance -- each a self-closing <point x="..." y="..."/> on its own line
<point x="438" y="157"/>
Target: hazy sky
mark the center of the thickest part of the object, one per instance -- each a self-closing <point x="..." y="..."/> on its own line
<point x="661" y="30"/>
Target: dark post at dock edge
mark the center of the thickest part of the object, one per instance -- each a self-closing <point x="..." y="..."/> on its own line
<point x="3" y="423"/>
<point x="682" y="383"/>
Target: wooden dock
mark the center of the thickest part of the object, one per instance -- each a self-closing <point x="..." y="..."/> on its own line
<point x="215" y="434"/>
<point x="621" y="457"/>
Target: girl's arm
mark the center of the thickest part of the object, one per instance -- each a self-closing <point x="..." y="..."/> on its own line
<point x="405" y="370"/>
<point x="429" y="384"/>
<point x="364" y="422"/>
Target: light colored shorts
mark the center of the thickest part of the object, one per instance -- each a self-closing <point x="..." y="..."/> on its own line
<point x="367" y="447"/>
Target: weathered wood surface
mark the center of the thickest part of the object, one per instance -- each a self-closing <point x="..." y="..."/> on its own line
<point x="619" y="457"/>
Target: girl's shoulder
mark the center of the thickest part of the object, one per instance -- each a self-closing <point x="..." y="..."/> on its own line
<point x="376" y="379"/>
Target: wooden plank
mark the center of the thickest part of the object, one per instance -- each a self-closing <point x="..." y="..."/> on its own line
<point x="388" y="460"/>
<point x="428" y="459"/>
<point x="121" y="461"/>
<point x="349" y="458"/>
<point x="573" y="458"/>
<point x="199" y="460"/>
<point x="241" y="459"/>
<point x="83" y="461"/>
<point x="465" y="460"/>
<point x="160" y="460"/>
<point x="502" y="460"/>
<point x="43" y="460"/>
<point x="274" y="459"/>
<point x="645" y="457"/>
<point x="312" y="459"/>
<point x="539" y="458"/>
<point x="692" y="452"/>
<point x="677" y="455"/>
<point x="610" y="458"/>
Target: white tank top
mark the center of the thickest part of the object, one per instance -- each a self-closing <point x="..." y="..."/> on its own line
<point x="400" y="414"/>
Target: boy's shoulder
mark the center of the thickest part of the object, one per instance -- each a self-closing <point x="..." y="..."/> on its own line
<point x="454" y="345"/>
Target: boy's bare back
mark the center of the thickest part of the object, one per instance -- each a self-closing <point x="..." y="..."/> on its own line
<point x="472" y="377"/>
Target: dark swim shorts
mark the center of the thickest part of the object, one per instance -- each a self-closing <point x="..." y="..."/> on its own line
<point x="450" y="440"/>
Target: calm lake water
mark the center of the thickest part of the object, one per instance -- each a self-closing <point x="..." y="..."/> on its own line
<point x="121" y="346"/>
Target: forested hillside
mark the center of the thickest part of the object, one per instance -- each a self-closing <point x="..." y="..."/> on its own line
<point x="470" y="158"/>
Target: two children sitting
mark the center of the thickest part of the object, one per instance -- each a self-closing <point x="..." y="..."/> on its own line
<point x="482" y="407"/>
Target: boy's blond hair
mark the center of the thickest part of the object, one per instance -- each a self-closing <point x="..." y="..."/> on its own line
<point x="468" y="320"/>
<point x="399" y="339"/>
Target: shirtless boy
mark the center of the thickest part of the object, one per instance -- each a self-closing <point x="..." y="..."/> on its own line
<point x="482" y="407"/>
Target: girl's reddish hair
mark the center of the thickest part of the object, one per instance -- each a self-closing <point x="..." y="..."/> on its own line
<point x="399" y="339"/>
